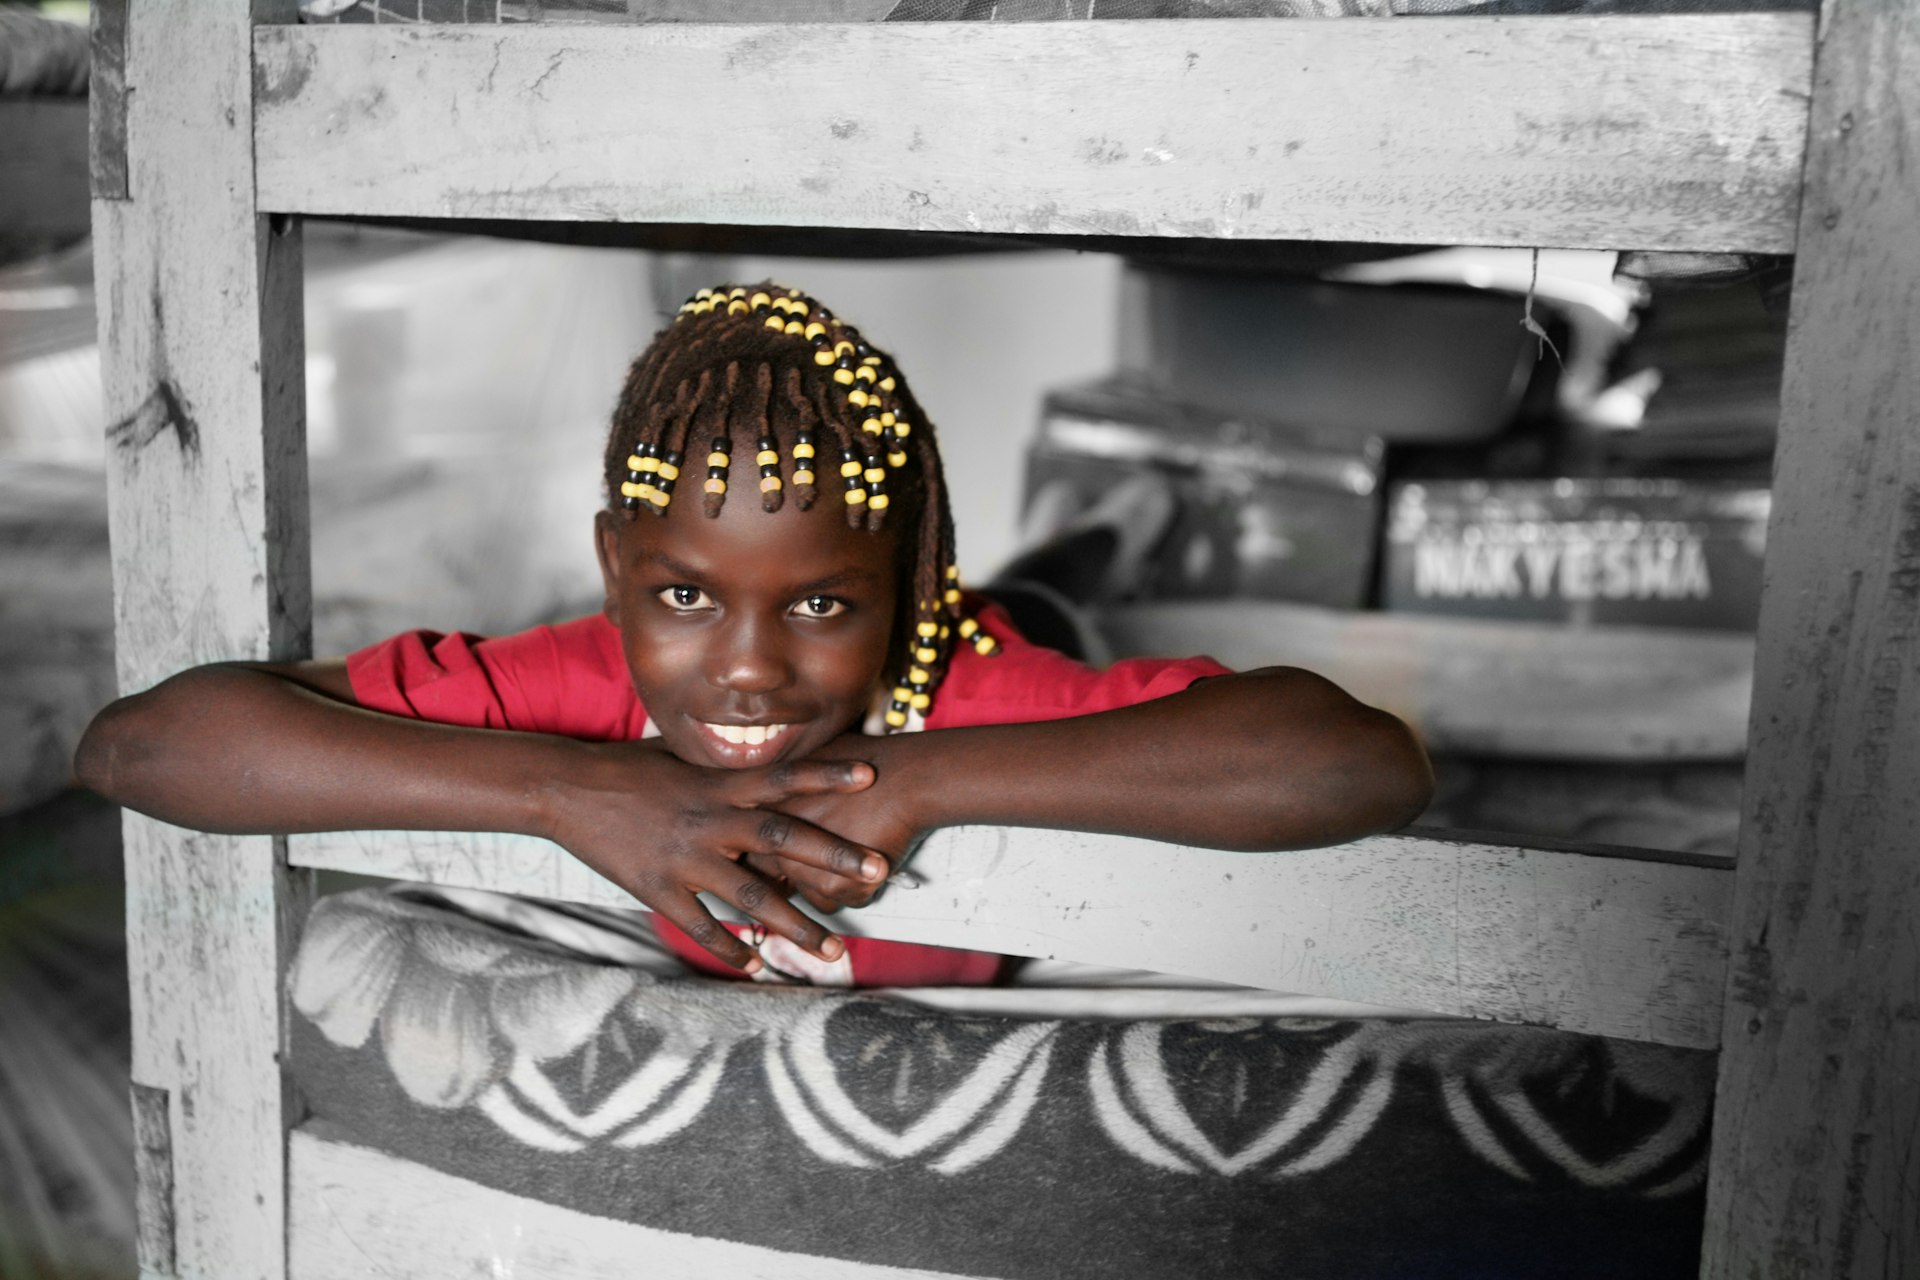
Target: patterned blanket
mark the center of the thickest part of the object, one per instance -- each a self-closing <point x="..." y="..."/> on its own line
<point x="866" y="1127"/>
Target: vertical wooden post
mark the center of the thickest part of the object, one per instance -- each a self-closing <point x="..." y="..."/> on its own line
<point x="1816" y="1161"/>
<point x="202" y="360"/>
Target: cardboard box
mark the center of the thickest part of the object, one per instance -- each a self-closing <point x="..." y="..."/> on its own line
<point x="1264" y="513"/>
<point x="1666" y="553"/>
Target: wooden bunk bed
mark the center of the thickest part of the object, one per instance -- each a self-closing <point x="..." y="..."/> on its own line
<point x="216" y="128"/>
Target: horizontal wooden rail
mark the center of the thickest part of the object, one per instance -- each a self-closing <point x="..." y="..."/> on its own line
<point x="1681" y="132"/>
<point x="1587" y="941"/>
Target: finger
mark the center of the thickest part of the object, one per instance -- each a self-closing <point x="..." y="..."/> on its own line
<point x="803" y="844"/>
<point x="809" y="778"/>
<point x="754" y="896"/>
<point x="685" y="911"/>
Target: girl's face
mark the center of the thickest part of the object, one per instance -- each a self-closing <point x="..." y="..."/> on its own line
<point x="751" y="637"/>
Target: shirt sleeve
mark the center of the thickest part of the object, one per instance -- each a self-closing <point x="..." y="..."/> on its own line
<point x="1025" y="682"/>
<point x="570" y="679"/>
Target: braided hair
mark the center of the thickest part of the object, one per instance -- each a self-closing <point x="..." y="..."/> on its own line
<point x="768" y="367"/>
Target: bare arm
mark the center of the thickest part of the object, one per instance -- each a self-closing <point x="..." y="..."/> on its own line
<point x="1265" y="760"/>
<point x="284" y="748"/>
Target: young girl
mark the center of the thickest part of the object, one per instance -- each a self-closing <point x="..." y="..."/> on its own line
<point x="782" y="615"/>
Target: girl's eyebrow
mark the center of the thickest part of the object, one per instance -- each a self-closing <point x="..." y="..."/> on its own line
<point x="852" y="575"/>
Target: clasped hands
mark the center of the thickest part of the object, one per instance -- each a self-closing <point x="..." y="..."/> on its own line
<point x="826" y="829"/>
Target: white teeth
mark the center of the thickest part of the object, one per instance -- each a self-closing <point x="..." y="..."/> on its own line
<point x="748" y="734"/>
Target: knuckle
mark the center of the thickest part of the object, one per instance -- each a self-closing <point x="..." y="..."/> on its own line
<point x="776" y="829"/>
<point x="782" y="777"/>
<point x="705" y="931"/>
<point x="753" y="894"/>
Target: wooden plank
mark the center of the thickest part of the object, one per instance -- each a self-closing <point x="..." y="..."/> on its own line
<point x="1509" y="689"/>
<point x="1586" y="941"/>
<point x="358" y="1212"/>
<point x="1818" y="1120"/>
<point x="1677" y="132"/>
<point x="107" y="91"/>
<point x="200" y="335"/>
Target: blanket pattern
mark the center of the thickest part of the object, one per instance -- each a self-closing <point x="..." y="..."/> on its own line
<point x="854" y="1125"/>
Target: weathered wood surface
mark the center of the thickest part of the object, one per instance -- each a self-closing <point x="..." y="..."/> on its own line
<point x="1816" y="1168"/>
<point x="200" y="332"/>
<point x="357" y="1212"/>
<point x="1603" y="944"/>
<point x="1676" y="132"/>
<point x="1507" y="689"/>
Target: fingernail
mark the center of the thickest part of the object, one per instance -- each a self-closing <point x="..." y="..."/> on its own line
<point x="873" y="868"/>
<point x="832" y="948"/>
<point x="752" y="965"/>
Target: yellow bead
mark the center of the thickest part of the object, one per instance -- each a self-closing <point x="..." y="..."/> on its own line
<point x="901" y="693"/>
<point x="921" y="701"/>
<point x="856" y="397"/>
<point x="781" y="305"/>
<point x="775" y="323"/>
<point x="766" y="458"/>
<point x="648" y="464"/>
<point x="843" y="376"/>
<point x="887" y="419"/>
<point x="703" y="293"/>
<point x="803" y="450"/>
<point x="944" y="633"/>
<point x="659" y="499"/>
<point x="926" y="630"/>
<point x="850" y="468"/>
<point x="896" y="460"/>
<point x="953" y="572"/>
<point x="795" y="328"/>
<point x="669" y="472"/>
<point x="952" y="596"/>
<point x="875" y="475"/>
<point x="803" y="476"/>
<point x="898" y="719"/>
<point x="815" y="329"/>
<point x="967" y="627"/>
<point x="636" y="463"/>
<point x="871" y="360"/>
<point x="718" y="459"/>
<point x="843" y="348"/>
<point x="917" y="676"/>
<point x="823" y="358"/>
<point x="865" y="373"/>
<point x="769" y="483"/>
<point x="925" y="655"/>
<point x="759" y="300"/>
<point x="856" y="497"/>
<point x="737" y="292"/>
<point x="879" y="503"/>
<point x="715" y="484"/>
<point x="628" y="489"/>
<point x="871" y="426"/>
<point x="737" y="308"/>
<point x="903" y="428"/>
<point x="887" y="383"/>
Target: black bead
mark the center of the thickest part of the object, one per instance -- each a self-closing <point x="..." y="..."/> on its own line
<point x="721" y="444"/>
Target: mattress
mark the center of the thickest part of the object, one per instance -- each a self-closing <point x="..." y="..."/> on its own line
<point x="953" y="1132"/>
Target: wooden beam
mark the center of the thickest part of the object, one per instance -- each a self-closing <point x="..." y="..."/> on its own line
<point x="202" y="359"/>
<point x="1816" y="1162"/>
<point x="1586" y="941"/>
<point x="1669" y="132"/>
<point x="358" y="1212"/>
<point x="1511" y="689"/>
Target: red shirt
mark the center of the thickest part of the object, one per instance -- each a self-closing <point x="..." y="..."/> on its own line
<point x="572" y="680"/>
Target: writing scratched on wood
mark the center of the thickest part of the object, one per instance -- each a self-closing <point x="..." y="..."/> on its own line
<point x="163" y="410"/>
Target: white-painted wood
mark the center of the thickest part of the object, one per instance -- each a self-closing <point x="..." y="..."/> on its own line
<point x="201" y="366"/>
<point x="359" y="1213"/>
<point x="1671" y="132"/>
<point x="1816" y="1162"/>
<point x="1585" y="941"/>
<point x="1512" y="689"/>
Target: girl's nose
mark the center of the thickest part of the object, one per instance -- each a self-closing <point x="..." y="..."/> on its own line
<point x="750" y="658"/>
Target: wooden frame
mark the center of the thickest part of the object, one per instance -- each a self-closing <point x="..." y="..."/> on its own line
<point x="213" y="122"/>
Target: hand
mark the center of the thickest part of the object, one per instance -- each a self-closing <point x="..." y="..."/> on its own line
<point x="877" y="817"/>
<point x="665" y="830"/>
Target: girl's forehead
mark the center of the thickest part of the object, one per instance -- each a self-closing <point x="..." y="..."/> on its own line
<point x="744" y="542"/>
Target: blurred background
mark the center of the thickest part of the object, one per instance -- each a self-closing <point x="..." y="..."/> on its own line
<point x="1520" y="499"/>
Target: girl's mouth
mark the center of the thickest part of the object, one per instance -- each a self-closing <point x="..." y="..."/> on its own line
<point x="742" y="746"/>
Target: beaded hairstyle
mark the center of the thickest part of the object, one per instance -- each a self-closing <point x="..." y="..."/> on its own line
<point x="771" y="366"/>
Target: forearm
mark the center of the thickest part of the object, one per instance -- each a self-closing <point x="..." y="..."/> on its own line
<point x="235" y="749"/>
<point x="1266" y="760"/>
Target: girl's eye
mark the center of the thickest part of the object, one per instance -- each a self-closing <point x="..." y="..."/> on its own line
<point x="685" y="599"/>
<point x="820" y="607"/>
